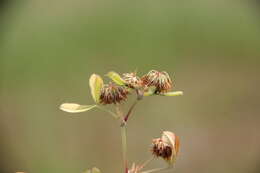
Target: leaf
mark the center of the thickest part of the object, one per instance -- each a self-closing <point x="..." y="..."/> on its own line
<point x="76" y="108"/>
<point x="116" y="78"/>
<point x="96" y="84"/>
<point x="175" y="93"/>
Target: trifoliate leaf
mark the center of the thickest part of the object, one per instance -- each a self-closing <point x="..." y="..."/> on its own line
<point x="96" y="84"/>
<point x="175" y="93"/>
<point x="116" y="78"/>
<point x="76" y="108"/>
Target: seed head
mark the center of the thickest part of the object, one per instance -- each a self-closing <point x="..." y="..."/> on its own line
<point x="166" y="147"/>
<point x="132" y="80"/>
<point x="112" y="93"/>
<point x="161" y="80"/>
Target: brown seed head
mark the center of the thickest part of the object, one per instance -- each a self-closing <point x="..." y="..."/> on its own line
<point x="166" y="147"/>
<point x="112" y="93"/>
<point x="132" y="80"/>
<point x="161" y="80"/>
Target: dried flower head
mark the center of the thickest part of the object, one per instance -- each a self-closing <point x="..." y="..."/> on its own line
<point x="166" y="147"/>
<point x="161" y="80"/>
<point x="112" y="93"/>
<point x="132" y="80"/>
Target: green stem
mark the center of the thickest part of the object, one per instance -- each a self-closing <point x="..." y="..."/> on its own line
<point x="123" y="137"/>
<point x="124" y="147"/>
<point x="130" y="111"/>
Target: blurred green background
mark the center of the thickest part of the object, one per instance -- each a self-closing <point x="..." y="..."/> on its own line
<point x="49" y="48"/>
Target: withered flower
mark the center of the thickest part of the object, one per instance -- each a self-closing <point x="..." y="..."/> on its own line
<point x="132" y="80"/>
<point x="166" y="147"/>
<point x="112" y="93"/>
<point x="161" y="80"/>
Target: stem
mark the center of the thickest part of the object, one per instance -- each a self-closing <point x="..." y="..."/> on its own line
<point x="157" y="170"/>
<point x="124" y="147"/>
<point x="130" y="111"/>
<point x="108" y="111"/>
<point x="123" y="137"/>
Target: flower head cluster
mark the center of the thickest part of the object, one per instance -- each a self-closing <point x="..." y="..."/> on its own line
<point x="132" y="80"/>
<point x="160" y="80"/>
<point x="117" y="91"/>
<point x="166" y="147"/>
<point x="112" y="93"/>
<point x="152" y="83"/>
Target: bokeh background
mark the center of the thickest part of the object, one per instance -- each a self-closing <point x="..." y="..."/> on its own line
<point x="49" y="48"/>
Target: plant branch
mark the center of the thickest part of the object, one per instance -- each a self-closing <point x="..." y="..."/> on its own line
<point x="124" y="146"/>
<point x="130" y="111"/>
<point x="123" y="138"/>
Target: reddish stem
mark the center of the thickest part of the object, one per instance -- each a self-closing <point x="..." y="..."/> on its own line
<point x="130" y="111"/>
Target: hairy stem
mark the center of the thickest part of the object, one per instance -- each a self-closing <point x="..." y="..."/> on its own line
<point x="130" y="111"/>
<point x="123" y="138"/>
<point x="124" y="147"/>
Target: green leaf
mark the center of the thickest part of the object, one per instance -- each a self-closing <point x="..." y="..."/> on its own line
<point x="116" y="78"/>
<point x="96" y="84"/>
<point x="175" y="93"/>
<point x="76" y="108"/>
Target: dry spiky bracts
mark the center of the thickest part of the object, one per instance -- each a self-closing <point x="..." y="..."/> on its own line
<point x="160" y="80"/>
<point x="132" y="80"/>
<point x="112" y="93"/>
<point x="166" y="147"/>
<point x="161" y="150"/>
